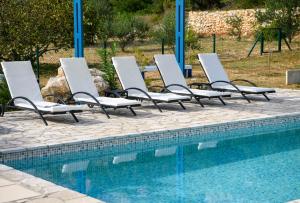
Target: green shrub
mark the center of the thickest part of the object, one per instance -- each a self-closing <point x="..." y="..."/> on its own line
<point x="4" y="92"/>
<point x="27" y="24"/>
<point x="106" y="65"/>
<point x="235" y="22"/>
<point x="280" y="14"/>
<point x="127" y="28"/>
<point x="166" y="30"/>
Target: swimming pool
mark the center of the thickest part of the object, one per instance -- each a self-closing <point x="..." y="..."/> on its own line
<point x="256" y="167"/>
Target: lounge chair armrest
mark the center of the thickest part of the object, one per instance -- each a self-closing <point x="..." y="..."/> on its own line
<point x="200" y="84"/>
<point x="59" y="99"/>
<point x="87" y="94"/>
<point x="11" y="102"/>
<point x="243" y="80"/>
<point x="178" y="85"/>
<point x="140" y="90"/>
<point x="229" y="83"/>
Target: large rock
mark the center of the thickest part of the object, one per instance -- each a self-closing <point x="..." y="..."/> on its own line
<point x="58" y="85"/>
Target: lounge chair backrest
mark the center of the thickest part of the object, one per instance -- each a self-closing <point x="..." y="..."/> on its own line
<point x="21" y="81"/>
<point x="129" y="73"/>
<point x="212" y="67"/>
<point x="78" y="76"/>
<point x="170" y="70"/>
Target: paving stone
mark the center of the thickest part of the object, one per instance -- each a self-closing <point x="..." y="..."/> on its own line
<point x="15" y="192"/>
<point x="45" y="200"/>
<point x="4" y="182"/>
<point x="83" y="200"/>
<point x="66" y="195"/>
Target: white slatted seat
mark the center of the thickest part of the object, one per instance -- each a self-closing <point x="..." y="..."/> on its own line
<point x="219" y="79"/>
<point x="175" y="81"/>
<point x="84" y="90"/>
<point x="26" y="94"/>
<point x="132" y="82"/>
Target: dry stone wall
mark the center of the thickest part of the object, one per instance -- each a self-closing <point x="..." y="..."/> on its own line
<point x="210" y="22"/>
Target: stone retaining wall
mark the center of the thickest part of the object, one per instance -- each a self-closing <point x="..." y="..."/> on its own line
<point x="209" y="22"/>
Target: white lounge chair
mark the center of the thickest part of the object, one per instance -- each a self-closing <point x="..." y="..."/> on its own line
<point x="219" y="80"/>
<point x="174" y="80"/>
<point x="26" y="94"/>
<point x="134" y="85"/>
<point x="84" y="90"/>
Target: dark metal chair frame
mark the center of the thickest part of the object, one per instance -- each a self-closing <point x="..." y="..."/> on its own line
<point x="191" y="94"/>
<point x="101" y="106"/>
<point x="10" y="105"/>
<point x="237" y="90"/>
<point x="149" y="98"/>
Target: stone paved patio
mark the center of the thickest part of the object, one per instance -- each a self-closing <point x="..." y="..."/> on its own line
<point x="19" y="130"/>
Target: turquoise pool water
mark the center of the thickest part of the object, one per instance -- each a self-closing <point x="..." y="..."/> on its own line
<point x="258" y="168"/>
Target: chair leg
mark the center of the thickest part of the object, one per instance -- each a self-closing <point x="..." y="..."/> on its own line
<point x="199" y="102"/>
<point x="103" y="109"/>
<point x="181" y="104"/>
<point x="132" y="111"/>
<point x="221" y="99"/>
<point x="155" y="104"/>
<point x="245" y="97"/>
<point x="267" y="98"/>
<point x="73" y="115"/>
<point x="42" y="117"/>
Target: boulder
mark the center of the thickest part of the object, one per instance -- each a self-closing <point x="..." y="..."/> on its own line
<point x="58" y="85"/>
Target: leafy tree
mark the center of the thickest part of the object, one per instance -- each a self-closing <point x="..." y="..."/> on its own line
<point x="27" y="24"/>
<point x="127" y="28"/>
<point x="236" y="23"/>
<point x="130" y="6"/>
<point x="98" y="20"/>
<point x="166" y="30"/>
<point x="204" y="4"/>
<point x="242" y="3"/>
<point x="281" y="14"/>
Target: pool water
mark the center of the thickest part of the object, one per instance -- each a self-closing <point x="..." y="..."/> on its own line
<point x="258" y="168"/>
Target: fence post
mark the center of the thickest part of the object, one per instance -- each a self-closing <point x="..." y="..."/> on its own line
<point x="279" y="39"/>
<point x="262" y="41"/>
<point x="163" y="46"/>
<point x="214" y="43"/>
<point x="37" y="52"/>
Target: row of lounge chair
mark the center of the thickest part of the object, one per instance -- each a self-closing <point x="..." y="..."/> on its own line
<point x="25" y="91"/>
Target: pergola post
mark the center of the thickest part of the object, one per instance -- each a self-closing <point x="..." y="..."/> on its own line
<point x="78" y="28"/>
<point x="180" y="33"/>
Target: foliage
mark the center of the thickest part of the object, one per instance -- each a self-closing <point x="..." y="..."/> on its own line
<point x="127" y="28"/>
<point x="161" y="6"/>
<point x="204" y="4"/>
<point x="281" y="14"/>
<point x="27" y="24"/>
<point x="235" y="22"/>
<point x="191" y="39"/>
<point x="4" y="92"/>
<point x="166" y="30"/>
<point x="106" y="65"/>
<point x="98" y="19"/>
<point x="130" y="6"/>
<point x="242" y="4"/>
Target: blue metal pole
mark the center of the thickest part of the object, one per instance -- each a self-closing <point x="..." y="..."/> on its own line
<point x="180" y="25"/>
<point x="78" y="28"/>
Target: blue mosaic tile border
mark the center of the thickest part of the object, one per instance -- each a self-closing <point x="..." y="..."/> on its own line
<point x="142" y="141"/>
